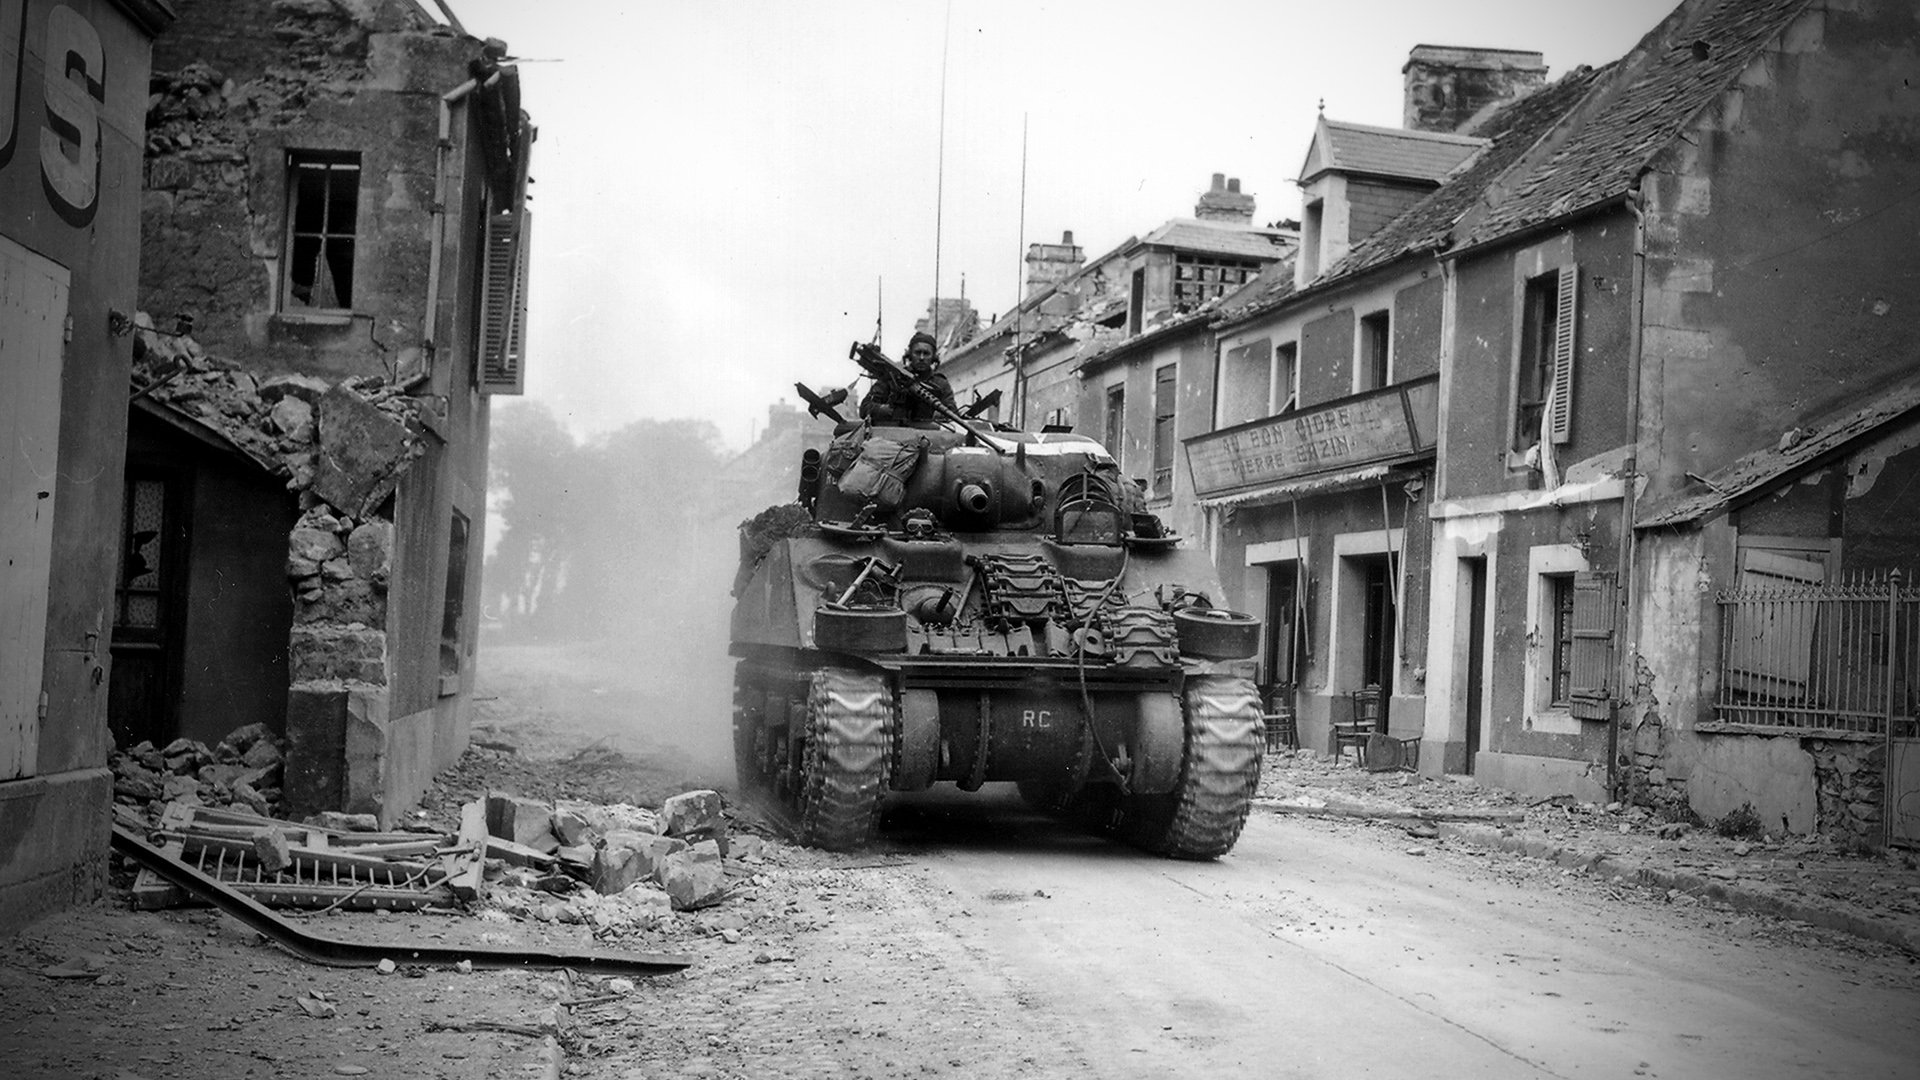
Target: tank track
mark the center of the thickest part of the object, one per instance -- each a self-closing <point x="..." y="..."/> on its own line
<point x="1202" y="817"/>
<point x="850" y="724"/>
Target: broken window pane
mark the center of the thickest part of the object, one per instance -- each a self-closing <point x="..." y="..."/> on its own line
<point x="323" y="196"/>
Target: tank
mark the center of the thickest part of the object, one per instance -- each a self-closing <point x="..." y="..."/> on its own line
<point x="959" y="602"/>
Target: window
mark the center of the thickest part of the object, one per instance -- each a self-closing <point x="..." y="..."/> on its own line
<point x="1287" y="359"/>
<point x="1543" y="386"/>
<point x="503" y="307"/>
<point x="323" y="206"/>
<point x="1056" y="420"/>
<point x="1559" y="624"/>
<point x="1116" y="431"/>
<point x="1200" y="278"/>
<point x="1165" y="391"/>
<point x="453" y="613"/>
<point x="1312" y="218"/>
<point x="1375" y="352"/>
<point x="1137" y="301"/>
<point x="1244" y="377"/>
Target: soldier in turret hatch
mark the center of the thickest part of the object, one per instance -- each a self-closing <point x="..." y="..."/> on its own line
<point x="889" y="402"/>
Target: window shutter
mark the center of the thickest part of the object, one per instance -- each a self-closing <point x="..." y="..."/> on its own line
<point x="1594" y="609"/>
<point x="1560" y="420"/>
<point x="503" y="322"/>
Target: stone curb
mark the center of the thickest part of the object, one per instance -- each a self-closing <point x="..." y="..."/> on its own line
<point x="1740" y="897"/>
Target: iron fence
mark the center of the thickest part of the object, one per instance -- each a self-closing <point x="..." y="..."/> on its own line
<point x="1836" y="656"/>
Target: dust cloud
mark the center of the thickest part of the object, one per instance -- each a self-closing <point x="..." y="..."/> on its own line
<point x="608" y="589"/>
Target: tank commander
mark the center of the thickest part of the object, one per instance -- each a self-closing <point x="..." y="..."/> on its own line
<point x="891" y="402"/>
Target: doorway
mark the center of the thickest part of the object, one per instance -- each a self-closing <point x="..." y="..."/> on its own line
<point x="148" y="604"/>
<point x="1475" y="573"/>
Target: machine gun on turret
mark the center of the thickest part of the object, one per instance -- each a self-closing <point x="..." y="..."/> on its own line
<point x="884" y="368"/>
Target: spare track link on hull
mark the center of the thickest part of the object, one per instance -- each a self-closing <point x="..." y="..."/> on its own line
<point x="850" y="716"/>
<point x="1202" y="817"/>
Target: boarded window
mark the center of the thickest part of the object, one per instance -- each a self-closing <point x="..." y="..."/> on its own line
<point x="1543" y="394"/>
<point x="323" y="208"/>
<point x="503" y="316"/>
<point x="453" y="611"/>
<point x="1165" y="394"/>
<point x="1246" y="371"/>
<point x="1595" y="606"/>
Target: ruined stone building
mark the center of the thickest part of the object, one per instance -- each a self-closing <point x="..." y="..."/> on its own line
<point x="72" y="96"/>
<point x="334" y="234"/>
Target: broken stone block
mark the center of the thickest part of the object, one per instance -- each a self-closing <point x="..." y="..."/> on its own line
<point x="746" y="847"/>
<point x="362" y="451"/>
<point x="580" y="855"/>
<point x="343" y="822"/>
<point x="292" y="418"/>
<point x="270" y="846"/>
<point x="370" y="550"/>
<point x="604" y="819"/>
<point x="135" y="780"/>
<point x="310" y="545"/>
<point x="571" y="826"/>
<point x="180" y="787"/>
<point x="185" y="756"/>
<point x="219" y="776"/>
<point x="306" y="388"/>
<point x="240" y="740"/>
<point x="523" y="821"/>
<point x="694" y="815"/>
<point x="248" y="796"/>
<point x="261" y="755"/>
<point x="694" y="878"/>
<point x="626" y="857"/>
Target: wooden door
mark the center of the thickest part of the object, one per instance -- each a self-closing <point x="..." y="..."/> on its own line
<point x="33" y="316"/>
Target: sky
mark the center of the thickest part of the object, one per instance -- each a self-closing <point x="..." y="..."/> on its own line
<point x="727" y="194"/>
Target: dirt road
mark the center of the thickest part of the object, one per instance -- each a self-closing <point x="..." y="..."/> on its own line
<point x="1000" y="944"/>
<point x="980" y="939"/>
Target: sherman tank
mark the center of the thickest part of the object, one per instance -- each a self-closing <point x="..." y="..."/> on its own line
<point x="956" y="601"/>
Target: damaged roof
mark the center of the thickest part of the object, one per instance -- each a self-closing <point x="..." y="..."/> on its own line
<point x="1648" y="98"/>
<point x="1212" y="238"/>
<point x="1403" y="153"/>
<point x="1799" y="448"/>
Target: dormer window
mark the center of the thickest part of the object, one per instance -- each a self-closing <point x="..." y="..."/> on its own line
<point x="1312" y="221"/>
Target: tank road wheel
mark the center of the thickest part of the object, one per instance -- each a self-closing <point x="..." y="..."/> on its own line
<point x="1202" y="817"/>
<point x="850" y="721"/>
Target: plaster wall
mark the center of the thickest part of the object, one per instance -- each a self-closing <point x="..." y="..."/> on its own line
<point x="1780" y="265"/>
<point x="1490" y="290"/>
<point x="76" y="206"/>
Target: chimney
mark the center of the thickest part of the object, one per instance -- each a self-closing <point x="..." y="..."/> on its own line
<point x="951" y="320"/>
<point x="1050" y="264"/>
<point x="1224" y="202"/>
<point x="1448" y="88"/>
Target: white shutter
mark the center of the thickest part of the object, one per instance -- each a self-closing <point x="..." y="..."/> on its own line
<point x="504" y="318"/>
<point x="1560" y="400"/>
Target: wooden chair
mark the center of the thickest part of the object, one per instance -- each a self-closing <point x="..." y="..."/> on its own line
<point x="1366" y="718"/>
<point x="1279" y="719"/>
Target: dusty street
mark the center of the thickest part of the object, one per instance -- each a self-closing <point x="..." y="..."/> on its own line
<point x="979" y="939"/>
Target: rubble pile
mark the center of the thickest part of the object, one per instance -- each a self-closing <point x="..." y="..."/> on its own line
<point x="242" y="773"/>
<point x="612" y="867"/>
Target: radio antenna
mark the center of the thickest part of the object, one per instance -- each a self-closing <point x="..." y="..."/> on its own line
<point x="940" y="170"/>
<point x="1019" y="292"/>
<point x="879" y="306"/>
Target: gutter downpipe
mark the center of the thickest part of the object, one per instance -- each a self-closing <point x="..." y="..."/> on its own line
<point x="1629" y="490"/>
<point x="443" y="151"/>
